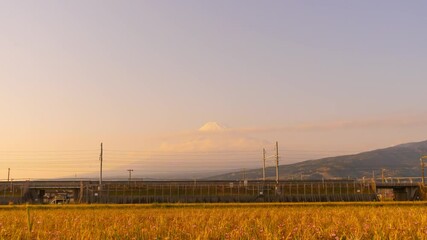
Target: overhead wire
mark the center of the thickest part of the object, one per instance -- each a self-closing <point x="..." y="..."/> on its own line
<point x="86" y="161"/>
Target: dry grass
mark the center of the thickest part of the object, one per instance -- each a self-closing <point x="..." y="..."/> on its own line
<point x="216" y="221"/>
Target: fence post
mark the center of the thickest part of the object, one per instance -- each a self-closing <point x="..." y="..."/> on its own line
<point x="326" y="188"/>
<point x="147" y="196"/>
<point x="139" y="193"/>
<point x="163" y="196"/>
<point x="178" y="194"/>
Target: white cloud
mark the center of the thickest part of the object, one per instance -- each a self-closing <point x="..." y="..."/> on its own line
<point x="211" y="137"/>
<point x="379" y="122"/>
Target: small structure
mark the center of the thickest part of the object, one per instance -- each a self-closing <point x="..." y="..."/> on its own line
<point x="407" y="191"/>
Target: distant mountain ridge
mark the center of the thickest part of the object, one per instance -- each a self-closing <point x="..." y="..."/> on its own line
<point x="398" y="161"/>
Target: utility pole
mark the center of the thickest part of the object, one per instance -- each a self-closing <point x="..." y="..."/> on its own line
<point x="130" y="174"/>
<point x="130" y="178"/>
<point x="8" y="175"/>
<point x="423" y="168"/>
<point x="373" y="175"/>
<point x="382" y="175"/>
<point x="100" y="169"/>
<point x="277" y="163"/>
<point x="245" y="181"/>
<point x="263" y="168"/>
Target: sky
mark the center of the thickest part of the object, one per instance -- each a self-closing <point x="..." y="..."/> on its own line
<point x="322" y="78"/>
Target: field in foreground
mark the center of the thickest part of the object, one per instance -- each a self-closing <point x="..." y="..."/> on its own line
<point x="216" y="221"/>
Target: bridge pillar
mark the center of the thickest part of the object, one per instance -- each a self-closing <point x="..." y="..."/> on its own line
<point x="400" y="194"/>
<point x="414" y="193"/>
<point x="76" y="195"/>
<point x="40" y="196"/>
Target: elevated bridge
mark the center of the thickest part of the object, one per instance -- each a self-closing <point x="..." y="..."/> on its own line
<point x="138" y="191"/>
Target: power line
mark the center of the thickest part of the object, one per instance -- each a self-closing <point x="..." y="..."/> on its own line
<point x="44" y="151"/>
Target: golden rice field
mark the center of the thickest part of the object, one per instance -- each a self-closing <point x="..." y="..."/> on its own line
<point x="216" y="221"/>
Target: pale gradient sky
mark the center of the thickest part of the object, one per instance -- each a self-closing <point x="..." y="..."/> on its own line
<point x="325" y="77"/>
